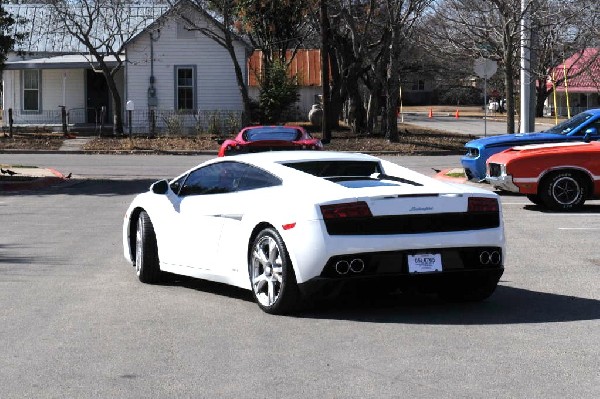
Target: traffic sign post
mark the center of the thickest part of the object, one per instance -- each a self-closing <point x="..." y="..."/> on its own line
<point x="485" y="68"/>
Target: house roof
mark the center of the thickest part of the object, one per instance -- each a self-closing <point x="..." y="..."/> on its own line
<point x="45" y="36"/>
<point x="306" y="66"/>
<point x="67" y="61"/>
<point x="582" y="72"/>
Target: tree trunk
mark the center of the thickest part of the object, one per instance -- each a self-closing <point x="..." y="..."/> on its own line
<point x="335" y="103"/>
<point x="509" y="81"/>
<point x="542" y="94"/>
<point x="116" y="97"/>
<point x="239" y="76"/>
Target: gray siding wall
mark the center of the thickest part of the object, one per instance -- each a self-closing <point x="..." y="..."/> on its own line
<point x="216" y="86"/>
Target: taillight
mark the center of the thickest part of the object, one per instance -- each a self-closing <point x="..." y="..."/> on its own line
<point x="346" y="210"/>
<point x="483" y="204"/>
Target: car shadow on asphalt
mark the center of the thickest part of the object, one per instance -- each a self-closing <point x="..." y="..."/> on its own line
<point x="586" y="208"/>
<point x="13" y="262"/>
<point x="508" y="305"/>
<point x="590" y="206"/>
<point x="210" y="287"/>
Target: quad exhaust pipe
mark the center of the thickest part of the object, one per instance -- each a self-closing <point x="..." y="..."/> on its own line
<point x="343" y="267"/>
<point x="490" y="257"/>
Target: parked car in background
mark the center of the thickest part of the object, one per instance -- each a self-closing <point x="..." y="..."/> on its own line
<point x="269" y="138"/>
<point x="574" y="129"/>
<point x="290" y="225"/>
<point x="560" y="176"/>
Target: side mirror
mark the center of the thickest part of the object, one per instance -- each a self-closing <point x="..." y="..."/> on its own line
<point x="592" y="131"/>
<point x="160" y="187"/>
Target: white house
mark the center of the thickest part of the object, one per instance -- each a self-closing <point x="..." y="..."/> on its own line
<point x="171" y="74"/>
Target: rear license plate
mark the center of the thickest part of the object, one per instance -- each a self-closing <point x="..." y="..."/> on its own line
<point x="424" y="263"/>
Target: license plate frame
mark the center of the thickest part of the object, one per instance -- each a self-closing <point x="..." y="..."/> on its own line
<point x="424" y="263"/>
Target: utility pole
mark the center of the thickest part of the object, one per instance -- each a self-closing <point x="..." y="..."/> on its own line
<point x="527" y="120"/>
<point x="326" y="132"/>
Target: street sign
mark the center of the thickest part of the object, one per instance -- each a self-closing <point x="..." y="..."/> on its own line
<point x="485" y="68"/>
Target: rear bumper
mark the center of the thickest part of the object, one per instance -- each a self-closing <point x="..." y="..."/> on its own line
<point x="387" y="270"/>
<point x="424" y="282"/>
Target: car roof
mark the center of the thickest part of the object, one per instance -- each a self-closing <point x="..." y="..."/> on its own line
<point x="299" y="156"/>
<point x="273" y="127"/>
<point x="594" y="111"/>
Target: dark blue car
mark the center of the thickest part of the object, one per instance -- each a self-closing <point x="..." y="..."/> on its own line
<point x="574" y="129"/>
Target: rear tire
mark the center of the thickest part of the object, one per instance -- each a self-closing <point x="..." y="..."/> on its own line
<point x="271" y="273"/>
<point x="146" y="251"/>
<point x="564" y="191"/>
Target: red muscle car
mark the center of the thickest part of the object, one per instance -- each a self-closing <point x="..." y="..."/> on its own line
<point x="560" y="176"/>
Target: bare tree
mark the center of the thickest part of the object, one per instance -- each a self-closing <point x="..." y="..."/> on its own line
<point x="222" y="31"/>
<point x="8" y="40"/>
<point x="369" y="39"/>
<point x="402" y="16"/>
<point x="272" y="26"/>
<point x="103" y="27"/>
<point x="488" y="29"/>
<point x="562" y="29"/>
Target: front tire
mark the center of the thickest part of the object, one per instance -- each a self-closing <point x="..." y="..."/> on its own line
<point x="146" y="251"/>
<point x="563" y="191"/>
<point x="272" y="277"/>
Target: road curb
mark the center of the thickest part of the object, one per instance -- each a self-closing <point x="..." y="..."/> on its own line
<point x="35" y="182"/>
<point x="443" y="175"/>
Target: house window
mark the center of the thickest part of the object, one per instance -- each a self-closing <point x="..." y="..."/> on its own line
<point x="31" y="90"/>
<point x="185" y="80"/>
<point x="418" y="85"/>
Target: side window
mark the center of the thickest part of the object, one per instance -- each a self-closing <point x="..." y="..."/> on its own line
<point x="595" y="124"/>
<point x="206" y="180"/>
<point x="225" y="177"/>
<point x="254" y="178"/>
<point x="176" y="185"/>
<point x="218" y="178"/>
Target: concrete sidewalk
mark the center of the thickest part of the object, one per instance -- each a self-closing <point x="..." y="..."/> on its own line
<point x="74" y="144"/>
<point x="17" y="178"/>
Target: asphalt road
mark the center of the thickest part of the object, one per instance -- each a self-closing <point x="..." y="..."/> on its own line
<point x="76" y="323"/>
<point x="476" y="126"/>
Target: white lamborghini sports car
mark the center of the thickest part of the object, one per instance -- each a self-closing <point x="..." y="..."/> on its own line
<point x="289" y="225"/>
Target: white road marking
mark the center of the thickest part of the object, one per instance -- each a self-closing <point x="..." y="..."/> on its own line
<point x="579" y="228"/>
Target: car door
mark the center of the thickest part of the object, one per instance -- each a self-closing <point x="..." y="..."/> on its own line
<point x="251" y="185"/>
<point x="196" y="227"/>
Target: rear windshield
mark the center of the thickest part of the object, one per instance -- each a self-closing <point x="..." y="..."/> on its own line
<point x="329" y="169"/>
<point x="351" y="174"/>
<point x="269" y="133"/>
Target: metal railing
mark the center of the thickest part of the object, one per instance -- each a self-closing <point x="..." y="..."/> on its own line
<point x="170" y="122"/>
<point x="152" y="122"/>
